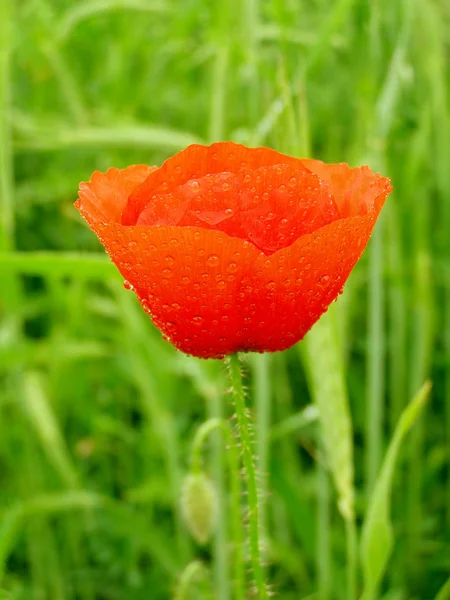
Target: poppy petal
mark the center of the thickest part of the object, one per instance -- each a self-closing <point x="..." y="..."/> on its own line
<point x="356" y="191"/>
<point x="288" y="291"/>
<point x="188" y="279"/>
<point x="105" y="195"/>
<point x="197" y="161"/>
<point x="269" y="206"/>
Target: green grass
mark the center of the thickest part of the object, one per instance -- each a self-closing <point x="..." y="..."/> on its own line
<point x="98" y="414"/>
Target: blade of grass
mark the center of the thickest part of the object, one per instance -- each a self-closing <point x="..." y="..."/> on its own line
<point x="10" y="289"/>
<point x="6" y="163"/>
<point x="58" y="264"/>
<point x="44" y="422"/>
<point x="323" y="557"/>
<point x="444" y="592"/>
<point x="71" y="91"/>
<point x="377" y="536"/>
<point x="324" y="367"/>
<point x="33" y="139"/>
<point x="92" y="8"/>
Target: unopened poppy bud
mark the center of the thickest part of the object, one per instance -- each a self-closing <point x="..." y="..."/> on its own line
<point x="199" y="506"/>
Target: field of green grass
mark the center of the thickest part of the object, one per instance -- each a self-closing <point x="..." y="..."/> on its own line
<point x="98" y="414"/>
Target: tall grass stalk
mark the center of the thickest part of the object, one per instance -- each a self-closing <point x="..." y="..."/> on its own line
<point x="376" y="369"/>
<point x="6" y="157"/>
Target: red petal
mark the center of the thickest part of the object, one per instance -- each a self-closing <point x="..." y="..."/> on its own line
<point x="187" y="279"/>
<point x="287" y="292"/>
<point x="105" y="195"/>
<point x="197" y="161"/>
<point x="356" y="191"/>
<point x="213" y="295"/>
<point x="269" y="206"/>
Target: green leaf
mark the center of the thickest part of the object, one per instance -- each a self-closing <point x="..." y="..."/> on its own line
<point x="377" y="537"/>
<point x="444" y="592"/>
<point x="58" y="263"/>
<point x="325" y="371"/>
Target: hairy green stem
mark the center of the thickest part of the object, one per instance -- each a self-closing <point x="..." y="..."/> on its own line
<point x="243" y="423"/>
<point x="262" y="391"/>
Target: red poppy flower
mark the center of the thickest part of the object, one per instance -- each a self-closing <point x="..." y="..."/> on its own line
<point x="231" y="248"/>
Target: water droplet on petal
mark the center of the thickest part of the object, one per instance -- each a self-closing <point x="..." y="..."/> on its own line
<point x="213" y="260"/>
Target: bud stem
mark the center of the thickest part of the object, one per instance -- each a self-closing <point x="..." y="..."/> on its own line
<point x="243" y="423"/>
<point x="235" y="484"/>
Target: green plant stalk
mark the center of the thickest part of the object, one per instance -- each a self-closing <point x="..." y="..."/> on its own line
<point x="70" y="90"/>
<point x="351" y="540"/>
<point x="375" y="375"/>
<point x="322" y="358"/>
<point x="10" y="288"/>
<point x="377" y="538"/>
<point x="262" y="390"/>
<point x="235" y="484"/>
<point x="444" y="592"/>
<point x="219" y="82"/>
<point x="243" y="425"/>
<point x="6" y="163"/>
<point x="323" y="553"/>
<point x="221" y="566"/>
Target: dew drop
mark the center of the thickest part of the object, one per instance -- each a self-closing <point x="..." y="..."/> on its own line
<point x="127" y="285"/>
<point x="270" y="285"/>
<point x="169" y="260"/>
<point x="228" y="212"/>
<point x="324" y="280"/>
<point x="213" y="260"/>
<point x="221" y="284"/>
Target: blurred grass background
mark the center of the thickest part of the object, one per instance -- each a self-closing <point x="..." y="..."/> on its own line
<point x="97" y="413"/>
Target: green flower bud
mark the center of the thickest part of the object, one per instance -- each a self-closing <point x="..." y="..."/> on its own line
<point x="199" y="506"/>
